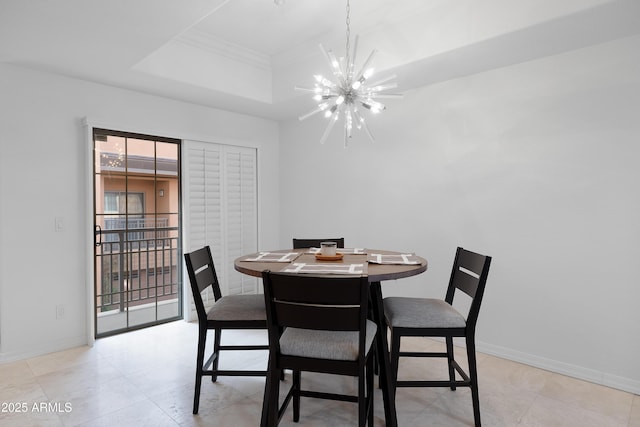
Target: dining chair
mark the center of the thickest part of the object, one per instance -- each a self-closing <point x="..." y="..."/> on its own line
<point x="227" y="312"/>
<point x="315" y="243"/>
<point x="427" y="317"/>
<point x="318" y="324"/>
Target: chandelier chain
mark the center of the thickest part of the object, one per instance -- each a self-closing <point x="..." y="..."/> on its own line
<point x="348" y="29"/>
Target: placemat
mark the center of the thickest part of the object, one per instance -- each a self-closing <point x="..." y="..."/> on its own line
<point x="274" y="257"/>
<point x="301" y="267"/>
<point x="347" y="251"/>
<point x="399" y="259"/>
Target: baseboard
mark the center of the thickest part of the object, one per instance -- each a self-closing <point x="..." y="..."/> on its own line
<point x="45" y="348"/>
<point x="579" y="372"/>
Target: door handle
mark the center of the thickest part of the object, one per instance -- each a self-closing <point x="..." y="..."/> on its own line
<point x="98" y="236"/>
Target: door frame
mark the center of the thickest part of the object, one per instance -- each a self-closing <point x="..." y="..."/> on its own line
<point x="89" y="217"/>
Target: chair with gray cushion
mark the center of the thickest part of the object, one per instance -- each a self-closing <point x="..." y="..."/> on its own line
<point x="315" y="243"/>
<point x="428" y="317"/>
<point x="318" y="324"/>
<point x="227" y="312"/>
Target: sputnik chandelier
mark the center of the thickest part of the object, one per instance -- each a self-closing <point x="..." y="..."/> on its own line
<point x="348" y="91"/>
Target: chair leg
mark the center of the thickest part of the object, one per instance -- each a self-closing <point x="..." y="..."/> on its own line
<point x="362" y="400"/>
<point x="450" y="359"/>
<point x="202" y="339"/>
<point x="216" y="351"/>
<point x="270" y="401"/>
<point x="296" y="396"/>
<point x="371" y="363"/>
<point x="395" y="355"/>
<point x="376" y="356"/>
<point x="473" y="376"/>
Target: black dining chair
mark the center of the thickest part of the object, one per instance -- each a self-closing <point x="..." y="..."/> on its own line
<point x="315" y="243"/>
<point x="427" y="317"/>
<point x="227" y="312"/>
<point x="318" y="324"/>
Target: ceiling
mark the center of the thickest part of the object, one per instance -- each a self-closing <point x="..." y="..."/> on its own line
<point x="247" y="55"/>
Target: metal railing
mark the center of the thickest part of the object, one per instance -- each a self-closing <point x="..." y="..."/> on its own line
<point x="135" y="268"/>
<point x="135" y="228"/>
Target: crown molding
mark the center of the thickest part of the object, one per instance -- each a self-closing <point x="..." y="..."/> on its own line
<point x="217" y="46"/>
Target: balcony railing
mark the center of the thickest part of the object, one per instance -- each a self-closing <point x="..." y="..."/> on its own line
<point x="135" y="268"/>
<point x="135" y="228"/>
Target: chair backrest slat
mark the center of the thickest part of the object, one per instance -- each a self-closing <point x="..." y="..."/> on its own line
<point x="202" y="274"/>
<point x="316" y="302"/>
<point x="469" y="274"/>
<point x="465" y="281"/>
<point x="471" y="261"/>
<point x="334" y="318"/>
<point x="311" y="289"/>
<point x="315" y="243"/>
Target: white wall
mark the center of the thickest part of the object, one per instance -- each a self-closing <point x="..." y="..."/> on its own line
<point x="534" y="164"/>
<point x="42" y="176"/>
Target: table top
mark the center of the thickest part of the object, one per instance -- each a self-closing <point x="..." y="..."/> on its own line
<point x="375" y="272"/>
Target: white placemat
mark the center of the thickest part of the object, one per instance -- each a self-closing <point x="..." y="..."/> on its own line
<point x="349" y="251"/>
<point x="301" y="267"/>
<point x="274" y="257"/>
<point x="399" y="259"/>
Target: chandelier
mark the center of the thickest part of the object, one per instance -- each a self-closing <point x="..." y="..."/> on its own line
<point x="348" y="94"/>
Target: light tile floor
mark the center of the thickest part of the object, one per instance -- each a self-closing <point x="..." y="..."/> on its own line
<point x="146" y="378"/>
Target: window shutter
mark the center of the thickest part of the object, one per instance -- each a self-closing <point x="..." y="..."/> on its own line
<point x="221" y="210"/>
<point x="240" y="211"/>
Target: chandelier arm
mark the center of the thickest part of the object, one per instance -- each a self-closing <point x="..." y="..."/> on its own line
<point x="367" y="131"/>
<point x="383" y="80"/>
<point x="327" y="131"/>
<point x="358" y="117"/>
<point x="305" y="89"/>
<point x="333" y="61"/>
<point x="346" y="136"/>
<point x="387" y="95"/>
<point x="352" y="62"/>
<point x="317" y="110"/>
<point x="381" y="88"/>
<point x="330" y="57"/>
<point x="364" y="68"/>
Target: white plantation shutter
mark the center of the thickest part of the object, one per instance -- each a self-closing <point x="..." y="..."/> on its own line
<point x="240" y="211"/>
<point x="221" y="209"/>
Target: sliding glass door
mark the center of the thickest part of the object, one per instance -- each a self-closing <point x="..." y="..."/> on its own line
<point x="137" y="231"/>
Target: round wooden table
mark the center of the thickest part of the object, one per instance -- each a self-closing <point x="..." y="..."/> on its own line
<point x="376" y="273"/>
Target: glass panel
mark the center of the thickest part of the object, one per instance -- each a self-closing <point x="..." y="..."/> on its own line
<point x="109" y="154"/>
<point x="137" y="208"/>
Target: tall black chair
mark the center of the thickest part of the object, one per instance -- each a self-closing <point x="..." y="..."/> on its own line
<point x="427" y="317"/>
<point x="315" y="243"/>
<point x="318" y="324"/>
<point x="228" y="312"/>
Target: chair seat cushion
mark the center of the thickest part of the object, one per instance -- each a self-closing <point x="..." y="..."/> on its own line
<point x="332" y="345"/>
<point x="238" y="307"/>
<point x="403" y="312"/>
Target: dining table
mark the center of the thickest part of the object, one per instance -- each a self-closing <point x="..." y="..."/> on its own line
<point x="378" y="265"/>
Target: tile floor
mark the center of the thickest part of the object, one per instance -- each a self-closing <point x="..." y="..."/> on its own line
<point x="146" y="378"/>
